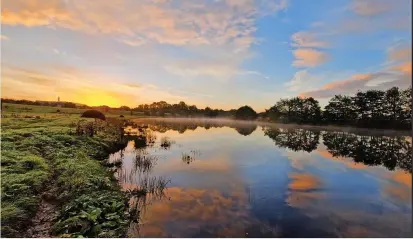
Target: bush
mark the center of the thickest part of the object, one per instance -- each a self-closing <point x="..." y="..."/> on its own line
<point x="93" y="114"/>
<point x="245" y="113"/>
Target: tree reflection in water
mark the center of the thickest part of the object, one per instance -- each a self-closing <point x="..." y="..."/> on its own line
<point x="243" y="128"/>
<point x="390" y="152"/>
<point x="294" y="139"/>
<point x="246" y="129"/>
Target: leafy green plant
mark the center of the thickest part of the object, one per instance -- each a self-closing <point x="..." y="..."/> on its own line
<point x="95" y="215"/>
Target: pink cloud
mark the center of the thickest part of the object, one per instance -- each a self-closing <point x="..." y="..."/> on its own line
<point x="400" y="53"/>
<point x="359" y="83"/>
<point x="306" y="57"/>
<point x="370" y="7"/>
<point x="405" y="68"/>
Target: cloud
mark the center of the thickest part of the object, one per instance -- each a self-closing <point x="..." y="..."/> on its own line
<point x="307" y="39"/>
<point x="74" y="85"/>
<point x="193" y="68"/>
<point x="190" y="210"/>
<point x="163" y="22"/>
<point x="303" y="182"/>
<point x="372" y="15"/>
<point x="217" y="62"/>
<point x="133" y="85"/>
<point x="306" y="57"/>
<point x="400" y="53"/>
<point x="370" y="7"/>
<point x="360" y="82"/>
<point x="253" y="73"/>
<point x="339" y="87"/>
<point x="397" y="73"/>
<point x="301" y="80"/>
<point x="404" y="68"/>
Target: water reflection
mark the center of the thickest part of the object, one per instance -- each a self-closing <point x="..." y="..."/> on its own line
<point x="246" y="130"/>
<point x="214" y="182"/>
<point x="294" y="139"/>
<point x="390" y="152"/>
<point x="162" y="126"/>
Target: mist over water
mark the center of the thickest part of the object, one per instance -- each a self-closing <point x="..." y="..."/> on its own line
<point x="225" y="178"/>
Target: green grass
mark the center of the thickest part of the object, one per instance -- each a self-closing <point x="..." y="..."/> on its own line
<point x="37" y="110"/>
<point x="42" y="153"/>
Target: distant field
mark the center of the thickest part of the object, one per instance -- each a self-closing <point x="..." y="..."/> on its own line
<point x="37" y="110"/>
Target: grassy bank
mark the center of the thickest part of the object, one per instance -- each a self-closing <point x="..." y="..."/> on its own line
<point x="43" y="160"/>
<point x="46" y="111"/>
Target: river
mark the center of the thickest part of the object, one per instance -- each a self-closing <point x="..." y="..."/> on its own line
<point x="227" y="179"/>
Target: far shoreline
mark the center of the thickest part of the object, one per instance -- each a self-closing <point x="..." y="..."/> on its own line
<point x="348" y="129"/>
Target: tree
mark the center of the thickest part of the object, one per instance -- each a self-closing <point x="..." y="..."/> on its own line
<point x="340" y="110"/>
<point x="124" y="108"/>
<point x="406" y="102"/>
<point x="311" y="111"/>
<point x="361" y="106"/>
<point x="208" y="112"/>
<point x="295" y="110"/>
<point x="393" y="105"/>
<point x="69" y="105"/>
<point x="245" y="113"/>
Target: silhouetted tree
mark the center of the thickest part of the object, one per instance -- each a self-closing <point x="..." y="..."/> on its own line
<point x="68" y="105"/>
<point x="245" y="113"/>
<point x="340" y="110"/>
<point x="296" y="110"/>
<point x="126" y="108"/>
<point x="210" y="112"/>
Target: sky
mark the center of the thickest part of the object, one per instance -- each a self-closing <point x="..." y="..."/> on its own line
<point x="216" y="53"/>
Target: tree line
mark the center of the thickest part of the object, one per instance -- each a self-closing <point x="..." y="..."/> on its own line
<point x="373" y="108"/>
<point x="43" y="103"/>
<point x="162" y="108"/>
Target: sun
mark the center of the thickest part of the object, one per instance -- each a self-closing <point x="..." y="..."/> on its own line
<point x="101" y="98"/>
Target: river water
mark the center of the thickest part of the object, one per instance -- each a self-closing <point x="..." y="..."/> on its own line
<point x="245" y="180"/>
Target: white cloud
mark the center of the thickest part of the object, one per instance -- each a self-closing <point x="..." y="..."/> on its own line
<point x="139" y="22"/>
<point x="307" y="39"/>
<point x="301" y="80"/>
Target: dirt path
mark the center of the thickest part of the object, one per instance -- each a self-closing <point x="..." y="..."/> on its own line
<point x="43" y="221"/>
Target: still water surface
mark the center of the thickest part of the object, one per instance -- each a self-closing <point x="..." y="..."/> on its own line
<point x="230" y="180"/>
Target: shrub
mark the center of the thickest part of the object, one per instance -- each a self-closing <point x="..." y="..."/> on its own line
<point x="245" y="113"/>
<point x="93" y="114"/>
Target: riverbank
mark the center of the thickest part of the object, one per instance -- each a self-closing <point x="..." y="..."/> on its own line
<point x="53" y="182"/>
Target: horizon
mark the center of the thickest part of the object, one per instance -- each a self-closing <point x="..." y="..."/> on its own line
<point x="218" y="53"/>
<point x="322" y="107"/>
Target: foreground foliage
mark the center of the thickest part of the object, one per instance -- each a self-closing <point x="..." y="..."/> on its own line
<point x="41" y="158"/>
